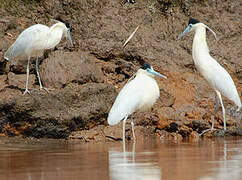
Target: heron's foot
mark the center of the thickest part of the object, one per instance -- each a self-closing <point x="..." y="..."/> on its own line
<point x="43" y="88"/>
<point x="205" y="131"/>
<point x="26" y="91"/>
<point x="218" y="131"/>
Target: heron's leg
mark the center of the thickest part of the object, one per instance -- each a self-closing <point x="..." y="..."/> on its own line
<point x="216" y="110"/>
<point x="223" y="109"/>
<point x="27" y="77"/>
<point x="133" y="152"/>
<point x="132" y="123"/>
<point x="37" y="71"/>
<point x="124" y="121"/>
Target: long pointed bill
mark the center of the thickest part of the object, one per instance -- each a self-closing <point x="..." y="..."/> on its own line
<point x="156" y="73"/>
<point x="216" y="37"/>
<point x="187" y="30"/>
<point x="69" y="37"/>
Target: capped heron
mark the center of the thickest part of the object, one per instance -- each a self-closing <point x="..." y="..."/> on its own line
<point x="216" y="76"/>
<point x="37" y="38"/>
<point x="139" y="93"/>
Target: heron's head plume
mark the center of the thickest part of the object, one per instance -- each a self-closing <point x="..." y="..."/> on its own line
<point x="193" y="24"/>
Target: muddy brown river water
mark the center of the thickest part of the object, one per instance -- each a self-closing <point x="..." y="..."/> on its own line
<point x="213" y="159"/>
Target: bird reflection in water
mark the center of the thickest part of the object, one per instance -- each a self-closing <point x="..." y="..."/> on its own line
<point x="123" y="165"/>
<point x="228" y="166"/>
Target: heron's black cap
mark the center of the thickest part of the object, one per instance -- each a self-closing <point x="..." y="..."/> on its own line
<point x="67" y="24"/>
<point x="193" y="21"/>
<point x="146" y="66"/>
<point x="61" y="19"/>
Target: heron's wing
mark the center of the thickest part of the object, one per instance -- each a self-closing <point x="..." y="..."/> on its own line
<point x="127" y="101"/>
<point x="225" y="84"/>
<point x="221" y="80"/>
<point x="26" y="40"/>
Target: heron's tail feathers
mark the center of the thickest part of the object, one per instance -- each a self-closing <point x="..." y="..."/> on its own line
<point x="13" y="51"/>
<point x="113" y="121"/>
<point x="114" y="118"/>
<point x="9" y="54"/>
<point x="237" y="101"/>
<point x="239" y="105"/>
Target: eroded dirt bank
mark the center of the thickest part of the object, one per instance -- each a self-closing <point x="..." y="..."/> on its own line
<point x="84" y="80"/>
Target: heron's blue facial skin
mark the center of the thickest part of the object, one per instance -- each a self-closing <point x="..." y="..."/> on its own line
<point x="69" y="36"/>
<point x="187" y="30"/>
<point x="156" y="73"/>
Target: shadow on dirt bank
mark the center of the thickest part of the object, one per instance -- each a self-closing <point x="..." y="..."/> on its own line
<point x="85" y="79"/>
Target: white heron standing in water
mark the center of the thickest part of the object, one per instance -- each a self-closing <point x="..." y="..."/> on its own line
<point x="37" y="38"/>
<point x="217" y="77"/>
<point x="140" y="93"/>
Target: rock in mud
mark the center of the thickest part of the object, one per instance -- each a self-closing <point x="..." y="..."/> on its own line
<point x="19" y="80"/>
<point x="56" y="114"/>
<point x="62" y="68"/>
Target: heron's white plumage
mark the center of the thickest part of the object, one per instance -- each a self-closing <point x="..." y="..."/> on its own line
<point x="36" y="38"/>
<point x="217" y="77"/>
<point x="139" y="93"/>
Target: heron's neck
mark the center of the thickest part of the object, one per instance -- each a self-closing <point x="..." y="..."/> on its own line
<point x="54" y="36"/>
<point x="139" y="72"/>
<point x="199" y="42"/>
<point x="142" y="72"/>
